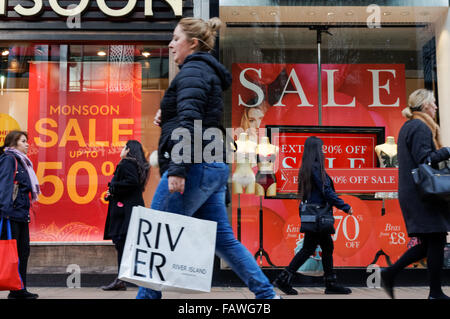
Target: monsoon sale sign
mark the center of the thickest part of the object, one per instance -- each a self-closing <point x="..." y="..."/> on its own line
<point x="80" y="117"/>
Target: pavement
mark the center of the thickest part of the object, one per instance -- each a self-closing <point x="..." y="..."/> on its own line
<point x="226" y="293"/>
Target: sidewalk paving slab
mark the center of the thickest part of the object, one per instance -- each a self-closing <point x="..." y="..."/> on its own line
<point x="226" y="293"/>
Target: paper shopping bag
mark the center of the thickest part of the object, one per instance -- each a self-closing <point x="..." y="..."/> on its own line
<point x="166" y="251"/>
<point x="9" y="262"/>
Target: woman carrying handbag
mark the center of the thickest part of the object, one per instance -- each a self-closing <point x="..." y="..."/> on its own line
<point x="315" y="187"/>
<point x="419" y="139"/>
<point x="17" y="182"/>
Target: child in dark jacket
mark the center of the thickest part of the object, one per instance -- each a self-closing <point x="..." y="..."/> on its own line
<point x="315" y="187"/>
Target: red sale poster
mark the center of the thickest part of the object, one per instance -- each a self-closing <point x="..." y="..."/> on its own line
<point x="354" y="97"/>
<point x="80" y="116"/>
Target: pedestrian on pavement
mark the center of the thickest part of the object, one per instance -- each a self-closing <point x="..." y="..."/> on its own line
<point x="17" y="182"/>
<point x="428" y="220"/>
<point x="191" y="187"/>
<point x="124" y="192"/>
<point x="315" y="187"/>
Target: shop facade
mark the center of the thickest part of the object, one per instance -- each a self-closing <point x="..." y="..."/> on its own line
<point x="84" y="76"/>
<point x="371" y="55"/>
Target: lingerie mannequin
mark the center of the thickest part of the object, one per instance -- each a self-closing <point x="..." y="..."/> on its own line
<point x="266" y="183"/>
<point x="387" y="153"/>
<point x="244" y="177"/>
<point x="387" y="156"/>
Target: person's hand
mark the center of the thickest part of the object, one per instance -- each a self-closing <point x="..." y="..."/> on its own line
<point x="107" y="193"/>
<point x="157" y="119"/>
<point x="176" y="184"/>
<point x="350" y="212"/>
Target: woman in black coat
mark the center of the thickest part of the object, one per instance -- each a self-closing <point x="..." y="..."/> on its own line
<point x="17" y="182"/>
<point x="315" y="187"/>
<point x="125" y="192"/>
<point x="428" y="220"/>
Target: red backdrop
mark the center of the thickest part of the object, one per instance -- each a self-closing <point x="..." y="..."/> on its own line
<point x="353" y="95"/>
<point x="77" y="125"/>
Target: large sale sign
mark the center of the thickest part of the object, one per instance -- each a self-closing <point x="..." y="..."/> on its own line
<point x="353" y="95"/>
<point x="80" y="117"/>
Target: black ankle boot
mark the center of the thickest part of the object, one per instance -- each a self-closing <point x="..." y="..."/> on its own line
<point x="439" y="296"/>
<point x="387" y="282"/>
<point x="283" y="282"/>
<point x="332" y="287"/>
<point x="22" y="294"/>
<point x="117" y="284"/>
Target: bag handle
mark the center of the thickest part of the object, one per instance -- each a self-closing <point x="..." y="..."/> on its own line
<point x="15" y="171"/>
<point x="8" y="228"/>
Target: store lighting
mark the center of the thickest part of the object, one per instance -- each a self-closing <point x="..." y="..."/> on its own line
<point x="101" y="53"/>
<point x="311" y="13"/>
<point x="331" y="14"/>
<point x="2" y="82"/>
<point x="404" y="13"/>
<point x="5" y="52"/>
<point x="387" y="13"/>
<point x="349" y="13"/>
<point x="146" y="54"/>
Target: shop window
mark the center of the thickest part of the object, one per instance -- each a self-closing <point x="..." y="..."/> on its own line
<point x="79" y="105"/>
<point x="369" y="66"/>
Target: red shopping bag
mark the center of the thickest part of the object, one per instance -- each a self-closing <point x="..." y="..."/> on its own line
<point x="9" y="262"/>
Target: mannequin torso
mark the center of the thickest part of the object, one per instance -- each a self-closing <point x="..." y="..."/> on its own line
<point x="387" y="153"/>
<point x="243" y="176"/>
<point x="266" y="183"/>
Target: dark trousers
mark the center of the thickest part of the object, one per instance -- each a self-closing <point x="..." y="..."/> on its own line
<point x="119" y="244"/>
<point x="432" y="247"/>
<point x="21" y="233"/>
<point x="310" y="242"/>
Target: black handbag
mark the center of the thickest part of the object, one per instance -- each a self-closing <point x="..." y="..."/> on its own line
<point x="432" y="183"/>
<point x="316" y="218"/>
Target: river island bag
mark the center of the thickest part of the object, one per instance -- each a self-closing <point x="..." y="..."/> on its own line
<point x="9" y="261"/>
<point x="166" y="251"/>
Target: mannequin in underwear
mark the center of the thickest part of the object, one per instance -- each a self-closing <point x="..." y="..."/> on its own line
<point x="387" y="153"/>
<point x="243" y="180"/>
<point x="387" y="156"/>
<point x="266" y="183"/>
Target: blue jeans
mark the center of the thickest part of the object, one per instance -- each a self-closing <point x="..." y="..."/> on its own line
<point x="204" y="198"/>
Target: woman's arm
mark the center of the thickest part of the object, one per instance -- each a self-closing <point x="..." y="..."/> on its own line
<point x="328" y="191"/>
<point x="420" y="144"/>
<point x="191" y="89"/>
<point x="7" y="170"/>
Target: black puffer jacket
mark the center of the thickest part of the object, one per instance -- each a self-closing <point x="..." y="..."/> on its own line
<point x="194" y="94"/>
